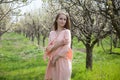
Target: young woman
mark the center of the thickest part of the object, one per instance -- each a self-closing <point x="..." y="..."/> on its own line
<point x="59" y="51"/>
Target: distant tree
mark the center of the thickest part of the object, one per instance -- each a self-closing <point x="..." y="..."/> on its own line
<point x="36" y="24"/>
<point x="7" y="11"/>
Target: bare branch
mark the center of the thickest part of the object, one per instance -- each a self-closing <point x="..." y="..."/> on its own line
<point x="2" y="1"/>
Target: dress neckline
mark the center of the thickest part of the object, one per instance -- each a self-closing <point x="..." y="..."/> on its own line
<point x="57" y="34"/>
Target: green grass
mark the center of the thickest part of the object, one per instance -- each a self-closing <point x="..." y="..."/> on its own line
<point x="21" y="59"/>
<point x="105" y="66"/>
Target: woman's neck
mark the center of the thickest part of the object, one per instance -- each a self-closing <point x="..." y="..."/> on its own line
<point x="60" y="28"/>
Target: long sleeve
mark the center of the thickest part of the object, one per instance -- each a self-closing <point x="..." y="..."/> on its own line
<point x="50" y="42"/>
<point x="67" y="38"/>
<point x="66" y="42"/>
<point x="47" y="49"/>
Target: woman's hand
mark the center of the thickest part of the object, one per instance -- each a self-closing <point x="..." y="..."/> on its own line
<point x="54" y="60"/>
<point x="49" y="48"/>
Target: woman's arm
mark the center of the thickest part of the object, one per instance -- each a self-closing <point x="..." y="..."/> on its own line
<point x="47" y="49"/>
<point x="57" y="45"/>
<point x="66" y="46"/>
<point x="65" y="41"/>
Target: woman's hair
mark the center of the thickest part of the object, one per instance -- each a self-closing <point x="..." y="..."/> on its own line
<point x="67" y="25"/>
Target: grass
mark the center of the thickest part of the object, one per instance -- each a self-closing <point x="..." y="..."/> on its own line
<point x="21" y="59"/>
<point x="105" y="66"/>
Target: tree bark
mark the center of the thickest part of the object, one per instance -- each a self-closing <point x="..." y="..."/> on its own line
<point x="89" y="57"/>
<point x="38" y="38"/>
<point x="112" y="13"/>
<point x="32" y="37"/>
<point x="44" y="41"/>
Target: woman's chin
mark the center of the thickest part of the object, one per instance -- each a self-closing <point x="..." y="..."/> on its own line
<point x="62" y="25"/>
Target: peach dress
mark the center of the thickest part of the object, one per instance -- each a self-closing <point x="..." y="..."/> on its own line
<point x="63" y="67"/>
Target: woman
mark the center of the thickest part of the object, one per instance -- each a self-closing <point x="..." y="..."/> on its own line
<point x="58" y="50"/>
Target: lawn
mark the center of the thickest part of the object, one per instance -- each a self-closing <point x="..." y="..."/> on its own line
<point x="21" y="59"/>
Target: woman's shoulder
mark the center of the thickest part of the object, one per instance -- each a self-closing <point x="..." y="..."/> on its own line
<point x="66" y="30"/>
<point x="52" y="32"/>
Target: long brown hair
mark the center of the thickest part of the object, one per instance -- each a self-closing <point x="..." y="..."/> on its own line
<point x="67" y="25"/>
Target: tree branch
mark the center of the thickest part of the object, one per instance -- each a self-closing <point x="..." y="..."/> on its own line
<point x="1" y="18"/>
<point x="2" y="1"/>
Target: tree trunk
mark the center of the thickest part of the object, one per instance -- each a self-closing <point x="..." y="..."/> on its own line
<point x="44" y="41"/>
<point x="115" y="41"/>
<point x="116" y="27"/>
<point x="38" y="38"/>
<point x="98" y="43"/>
<point x="32" y="37"/>
<point x="118" y="44"/>
<point x="71" y="41"/>
<point x="111" y="42"/>
<point x="115" y="22"/>
<point x="89" y="57"/>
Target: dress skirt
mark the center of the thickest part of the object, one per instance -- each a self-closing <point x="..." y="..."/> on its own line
<point x="60" y="71"/>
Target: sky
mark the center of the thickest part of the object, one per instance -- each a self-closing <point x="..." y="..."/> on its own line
<point x="35" y="4"/>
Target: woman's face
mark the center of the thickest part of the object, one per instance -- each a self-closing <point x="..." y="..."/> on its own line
<point x="61" y="21"/>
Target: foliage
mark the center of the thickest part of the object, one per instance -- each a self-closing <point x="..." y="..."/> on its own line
<point x="20" y="59"/>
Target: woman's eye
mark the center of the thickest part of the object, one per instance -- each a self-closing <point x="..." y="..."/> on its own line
<point x="64" y="19"/>
<point x="60" y="18"/>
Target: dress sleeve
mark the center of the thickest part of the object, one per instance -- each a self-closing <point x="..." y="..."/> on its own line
<point x="67" y="43"/>
<point x="49" y="40"/>
<point x="67" y="37"/>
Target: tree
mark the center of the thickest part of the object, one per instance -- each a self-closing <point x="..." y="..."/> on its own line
<point x="111" y="11"/>
<point x="7" y="10"/>
<point x="35" y="24"/>
<point x="89" y="25"/>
